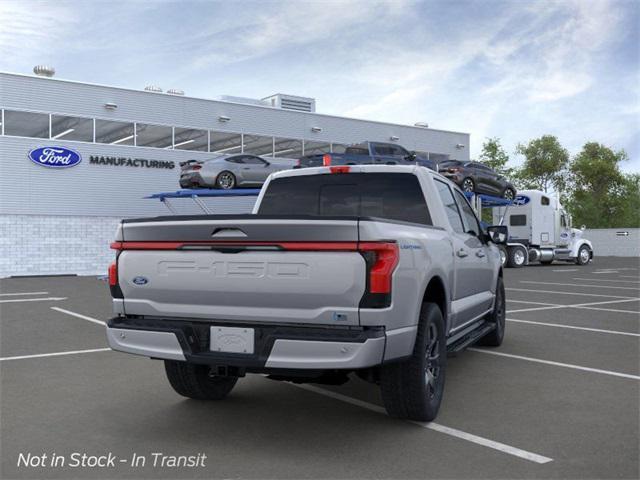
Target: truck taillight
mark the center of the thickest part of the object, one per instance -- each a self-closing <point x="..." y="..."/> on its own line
<point x="326" y="160"/>
<point x="381" y="259"/>
<point x="113" y="274"/>
<point x="114" y="286"/>
<point x="340" y="169"/>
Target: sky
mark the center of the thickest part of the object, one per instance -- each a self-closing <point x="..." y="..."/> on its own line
<point x="509" y="69"/>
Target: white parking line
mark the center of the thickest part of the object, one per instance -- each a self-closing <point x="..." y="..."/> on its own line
<point x="605" y="272"/>
<point x="74" y="314"/>
<point x="579" y="294"/>
<point x="605" y="280"/>
<point x="628" y="276"/>
<point x="55" y="354"/>
<point x="48" y="299"/>
<point x="23" y="293"/>
<point x="597" y="330"/>
<point x="581" y="285"/>
<point x="556" y="364"/>
<point x="588" y="306"/>
<point x="567" y="270"/>
<point x="469" y="437"/>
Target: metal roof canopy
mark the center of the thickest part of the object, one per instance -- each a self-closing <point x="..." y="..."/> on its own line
<point x="197" y="194"/>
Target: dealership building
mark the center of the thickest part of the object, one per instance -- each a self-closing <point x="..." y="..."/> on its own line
<point x="127" y="144"/>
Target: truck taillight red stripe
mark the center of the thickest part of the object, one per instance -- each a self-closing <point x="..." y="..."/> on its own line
<point x="113" y="274"/>
<point x="386" y="261"/>
<point x="326" y="160"/>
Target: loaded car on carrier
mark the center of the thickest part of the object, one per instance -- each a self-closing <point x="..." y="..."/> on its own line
<point x="372" y="270"/>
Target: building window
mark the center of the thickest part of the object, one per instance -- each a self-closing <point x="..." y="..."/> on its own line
<point x="114" y="133"/>
<point x="287" y="148"/>
<point x="225" y="143"/>
<point x="258" y="145"/>
<point x="26" y="124"/>
<point x="157" y="136"/>
<point x="190" y="139"/>
<point x="316" y="148"/>
<point x="71" y="128"/>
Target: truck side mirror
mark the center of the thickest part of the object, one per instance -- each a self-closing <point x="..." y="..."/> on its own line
<point x="498" y="234"/>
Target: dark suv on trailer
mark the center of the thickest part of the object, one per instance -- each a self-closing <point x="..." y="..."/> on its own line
<point x="478" y="178"/>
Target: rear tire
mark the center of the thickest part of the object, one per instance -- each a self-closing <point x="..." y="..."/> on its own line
<point x="225" y="180"/>
<point x="508" y="194"/>
<point x="412" y="389"/>
<point x="497" y="317"/>
<point x="502" y="250"/>
<point x="194" y="381"/>
<point x="468" y="185"/>
<point x="516" y="257"/>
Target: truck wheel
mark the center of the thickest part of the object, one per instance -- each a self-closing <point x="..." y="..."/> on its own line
<point x="195" y="381"/>
<point x="226" y="180"/>
<point x="412" y="389"/>
<point x="497" y="317"/>
<point x="517" y="257"/>
<point x="584" y="255"/>
<point x="502" y="250"/>
<point x="468" y="185"/>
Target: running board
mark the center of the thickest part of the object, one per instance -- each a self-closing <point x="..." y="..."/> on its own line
<point x="470" y="338"/>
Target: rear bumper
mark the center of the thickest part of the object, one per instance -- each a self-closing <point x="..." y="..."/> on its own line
<point x="276" y="347"/>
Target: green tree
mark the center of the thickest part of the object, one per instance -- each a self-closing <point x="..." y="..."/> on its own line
<point x="494" y="156"/>
<point x="601" y="196"/>
<point x="545" y="164"/>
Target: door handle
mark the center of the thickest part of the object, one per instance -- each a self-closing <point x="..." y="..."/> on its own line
<point x="462" y="253"/>
<point x="480" y="254"/>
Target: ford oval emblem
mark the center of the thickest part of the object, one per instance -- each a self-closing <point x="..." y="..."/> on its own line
<point x="55" y="157"/>
<point x="140" y="280"/>
<point x="521" y="200"/>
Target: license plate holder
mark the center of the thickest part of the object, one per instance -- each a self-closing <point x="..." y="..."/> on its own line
<point x="231" y="340"/>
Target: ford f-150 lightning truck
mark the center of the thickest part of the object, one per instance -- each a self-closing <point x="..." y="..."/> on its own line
<point x="374" y="270"/>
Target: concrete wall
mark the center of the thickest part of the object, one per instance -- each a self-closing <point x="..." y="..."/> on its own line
<point x="611" y="242"/>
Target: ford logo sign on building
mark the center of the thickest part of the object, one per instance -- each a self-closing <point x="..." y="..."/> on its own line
<point x="55" y="157"/>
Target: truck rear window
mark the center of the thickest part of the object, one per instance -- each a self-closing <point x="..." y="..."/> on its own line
<point x="393" y="196"/>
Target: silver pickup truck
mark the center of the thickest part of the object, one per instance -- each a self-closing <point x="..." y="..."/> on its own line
<point x="372" y="270"/>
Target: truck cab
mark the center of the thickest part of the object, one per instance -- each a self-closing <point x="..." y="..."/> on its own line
<point x="540" y="229"/>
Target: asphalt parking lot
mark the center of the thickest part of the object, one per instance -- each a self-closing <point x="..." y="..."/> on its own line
<point x="559" y="399"/>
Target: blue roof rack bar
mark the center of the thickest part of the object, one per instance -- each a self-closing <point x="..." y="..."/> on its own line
<point x="207" y="192"/>
<point x="198" y="193"/>
<point x="489" y="200"/>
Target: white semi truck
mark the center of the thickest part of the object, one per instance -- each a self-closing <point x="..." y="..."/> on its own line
<point x="540" y="230"/>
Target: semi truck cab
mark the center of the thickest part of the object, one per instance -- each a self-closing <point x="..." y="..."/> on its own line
<point x="540" y="230"/>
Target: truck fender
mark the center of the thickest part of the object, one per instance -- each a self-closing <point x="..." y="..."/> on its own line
<point x="576" y="246"/>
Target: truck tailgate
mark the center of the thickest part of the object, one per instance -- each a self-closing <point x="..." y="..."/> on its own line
<point x="242" y="269"/>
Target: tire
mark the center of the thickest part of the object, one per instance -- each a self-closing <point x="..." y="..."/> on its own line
<point x="412" y="389"/>
<point x="517" y="257"/>
<point x="468" y="185"/>
<point x="225" y="180"/>
<point x="508" y="194"/>
<point x="503" y="255"/>
<point x="193" y="381"/>
<point x="497" y="316"/>
<point x="584" y="255"/>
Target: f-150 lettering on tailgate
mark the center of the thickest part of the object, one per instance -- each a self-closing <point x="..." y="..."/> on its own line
<point x="238" y="269"/>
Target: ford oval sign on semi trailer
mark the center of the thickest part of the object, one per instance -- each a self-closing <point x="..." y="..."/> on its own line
<point x="55" y="157"/>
